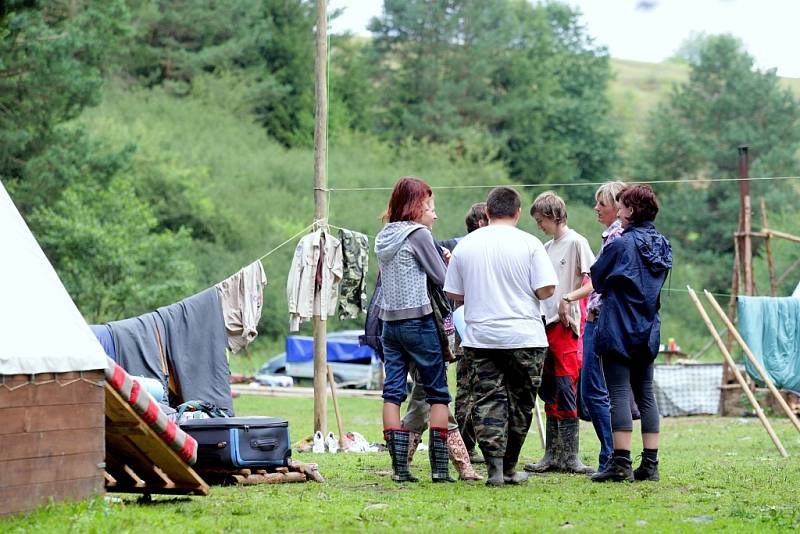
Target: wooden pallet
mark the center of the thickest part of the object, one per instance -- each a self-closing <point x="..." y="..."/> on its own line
<point x="138" y="460"/>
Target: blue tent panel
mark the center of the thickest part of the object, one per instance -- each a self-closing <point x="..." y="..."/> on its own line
<point x="301" y="349"/>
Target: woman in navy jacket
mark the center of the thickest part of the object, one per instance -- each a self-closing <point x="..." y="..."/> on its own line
<point x="630" y="274"/>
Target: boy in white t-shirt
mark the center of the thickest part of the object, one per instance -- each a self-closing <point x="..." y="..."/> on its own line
<point x="572" y="259"/>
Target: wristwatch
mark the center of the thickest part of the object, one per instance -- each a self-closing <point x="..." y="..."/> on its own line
<point x="566" y="299"/>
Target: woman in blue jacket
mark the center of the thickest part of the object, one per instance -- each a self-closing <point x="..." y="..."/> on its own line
<point x="630" y="274"/>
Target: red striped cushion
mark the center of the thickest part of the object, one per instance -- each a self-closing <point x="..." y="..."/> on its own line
<point x="146" y="406"/>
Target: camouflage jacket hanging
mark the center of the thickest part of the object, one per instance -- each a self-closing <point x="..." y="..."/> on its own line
<point x="353" y="288"/>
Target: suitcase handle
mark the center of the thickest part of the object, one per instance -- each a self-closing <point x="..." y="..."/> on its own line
<point x="264" y="444"/>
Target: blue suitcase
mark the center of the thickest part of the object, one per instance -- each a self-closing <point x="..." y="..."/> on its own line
<point x="237" y="442"/>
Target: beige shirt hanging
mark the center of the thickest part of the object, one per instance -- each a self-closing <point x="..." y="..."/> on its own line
<point x="304" y="298"/>
<point x="242" y="297"/>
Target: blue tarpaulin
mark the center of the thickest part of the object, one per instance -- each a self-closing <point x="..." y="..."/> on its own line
<point x="771" y="328"/>
<point x="340" y="349"/>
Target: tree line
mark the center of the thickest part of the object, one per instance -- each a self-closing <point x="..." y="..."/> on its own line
<point x="510" y="82"/>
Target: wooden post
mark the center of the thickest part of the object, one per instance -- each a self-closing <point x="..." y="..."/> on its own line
<point x="321" y="206"/>
<point x="773" y="287"/>
<point x="339" y="424"/>
<point x="539" y="424"/>
<point x="757" y="364"/>
<point x="739" y="377"/>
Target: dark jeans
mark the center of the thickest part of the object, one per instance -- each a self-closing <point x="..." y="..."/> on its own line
<point x="624" y="375"/>
<point x="414" y="340"/>
<point x="594" y="395"/>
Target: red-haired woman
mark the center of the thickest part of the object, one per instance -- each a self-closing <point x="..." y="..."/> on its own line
<point x="408" y="257"/>
<point x="629" y="275"/>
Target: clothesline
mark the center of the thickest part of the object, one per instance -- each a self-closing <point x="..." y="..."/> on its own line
<point x="571" y="184"/>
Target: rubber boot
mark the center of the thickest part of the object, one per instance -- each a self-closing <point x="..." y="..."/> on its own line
<point x="511" y="476"/>
<point x="569" y="432"/>
<point x="494" y="466"/>
<point x="550" y="460"/>
<point x="513" y="448"/>
<point x="647" y="470"/>
<point x="617" y="470"/>
<point x="414" y="439"/>
<point x="437" y="452"/>
<point x="397" y="442"/>
<point x="460" y="457"/>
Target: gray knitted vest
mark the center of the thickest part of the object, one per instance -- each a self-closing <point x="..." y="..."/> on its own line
<point x="403" y="282"/>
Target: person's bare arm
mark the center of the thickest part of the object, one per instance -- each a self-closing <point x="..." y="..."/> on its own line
<point x="545" y="292"/>
<point x="455" y="297"/>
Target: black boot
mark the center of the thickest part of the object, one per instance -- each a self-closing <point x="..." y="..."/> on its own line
<point x="550" y="460"/>
<point x="437" y="452"/>
<point x="397" y="442"/>
<point x="568" y="433"/>
<point x="647" y="470"/>
<point x="617" y="470"/>
<point x="513" y="448"/>
<point x="494" y="466"/>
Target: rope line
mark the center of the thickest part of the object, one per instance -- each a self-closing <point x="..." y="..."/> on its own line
<point x="573" y="184"/>
<point x="298" y="234"/>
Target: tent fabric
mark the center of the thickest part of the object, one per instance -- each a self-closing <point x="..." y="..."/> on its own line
<point x="41" y="328"/>
<point x="771" y="328"/>
<point x="344" y="349"/>
<point x="691" y="389"/>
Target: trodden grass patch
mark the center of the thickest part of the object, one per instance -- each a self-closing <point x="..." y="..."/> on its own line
<point x="716" y="474"/>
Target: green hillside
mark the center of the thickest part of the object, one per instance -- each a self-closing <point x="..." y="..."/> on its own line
<point x="638" y="87"/>
<point x="265" y="190"/>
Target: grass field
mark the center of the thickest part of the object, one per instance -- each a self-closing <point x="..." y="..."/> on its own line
<point x="716" y="474"/>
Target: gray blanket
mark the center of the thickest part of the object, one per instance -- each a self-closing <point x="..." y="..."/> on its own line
<point x="193" y="338"/>
<point x="195" y="341"/>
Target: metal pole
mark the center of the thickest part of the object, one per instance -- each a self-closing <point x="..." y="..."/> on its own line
<point x="321" y="207"/>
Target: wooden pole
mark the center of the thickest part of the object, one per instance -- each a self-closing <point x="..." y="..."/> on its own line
<point x="773" y="287"/>
<point x="739" y="377"/>
<point x="339" y="424"/>
<point x="782" y="235"/>
<point x="321" y="206"/>
<point x="757" y="364"/>
<point x="539" y="423"/>
<point x="788" y="271"/>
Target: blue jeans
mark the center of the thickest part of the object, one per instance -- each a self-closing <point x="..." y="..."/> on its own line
<point x="594" y="395"/>
<point x="417" y="341"/>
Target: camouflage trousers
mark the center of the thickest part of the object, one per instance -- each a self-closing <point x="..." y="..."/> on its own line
<point x="504" y="387"/>
<point x="463" y="403"/>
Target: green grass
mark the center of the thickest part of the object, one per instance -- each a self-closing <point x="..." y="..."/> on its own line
<point x="717" y="474"/>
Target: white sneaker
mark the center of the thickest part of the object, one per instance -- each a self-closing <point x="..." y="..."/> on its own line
<point x="332" y="443"/>
<point x="319" y="443"/>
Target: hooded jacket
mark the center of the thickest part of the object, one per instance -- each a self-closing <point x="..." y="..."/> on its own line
<point x="408" y="256"/>
<point x="629" y="275"/>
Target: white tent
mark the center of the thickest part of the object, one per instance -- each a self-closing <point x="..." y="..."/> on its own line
<point x="41" y="329"/>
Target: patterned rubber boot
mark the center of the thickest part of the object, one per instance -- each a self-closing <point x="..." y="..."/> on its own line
<point x="617" y="470"/>
<point x="568" y="433"/>
<point x="437" y="452"/>
<point x="647" y="470"/>
<point x="460" y="457"/>
<point x="414" y="439"/>
<point x="550" y="460"/>
<point x="397" y="442"/>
